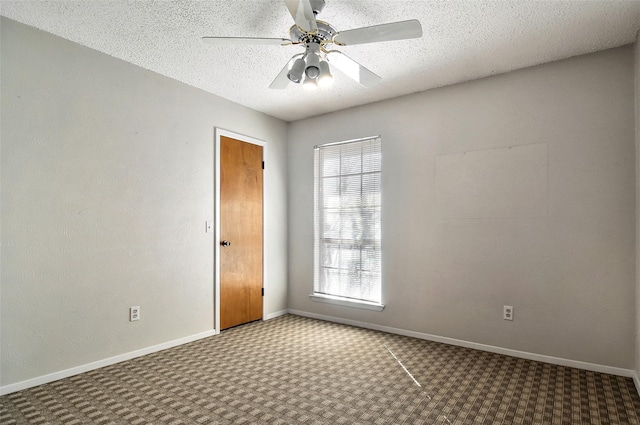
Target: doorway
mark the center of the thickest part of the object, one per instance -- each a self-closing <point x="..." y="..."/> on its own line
<point x="239" y="240"/>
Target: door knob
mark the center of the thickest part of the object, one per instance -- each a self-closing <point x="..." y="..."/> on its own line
<point x="225" y="243"/>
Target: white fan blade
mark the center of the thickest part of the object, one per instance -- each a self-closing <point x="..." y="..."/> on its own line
<point x="246" y="40"/>
<point x="302" y="13"/>
<point x="282" y="81"/>
<point x="352" y="69"/>
<point x="386" y="32"/>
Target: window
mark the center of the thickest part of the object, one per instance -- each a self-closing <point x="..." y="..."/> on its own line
<point x="348" y="207"/>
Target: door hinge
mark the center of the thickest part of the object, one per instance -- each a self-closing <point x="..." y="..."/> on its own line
<point x="263" y="165"/>
<point x="263" y="292"/>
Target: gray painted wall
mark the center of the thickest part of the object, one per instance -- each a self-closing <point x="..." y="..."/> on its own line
<point x="637" y="109"/>
<point x="107" y="180"/>
<point x="545" y="156"/>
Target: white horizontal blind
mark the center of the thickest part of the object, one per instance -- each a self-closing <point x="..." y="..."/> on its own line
<point x="348" y="220"/>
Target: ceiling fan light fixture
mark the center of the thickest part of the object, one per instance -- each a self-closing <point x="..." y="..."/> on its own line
<point x="296" y="71"/>
<point x="325" y="78"/>
<point x="313" y="65"/>
<point x="310" y="83"/>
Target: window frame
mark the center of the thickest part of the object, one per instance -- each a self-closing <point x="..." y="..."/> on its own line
<point x="318" y="225"/>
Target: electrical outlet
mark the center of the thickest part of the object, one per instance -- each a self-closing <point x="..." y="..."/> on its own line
<point x="134" y="313"/>
<point x="507" y="312"/>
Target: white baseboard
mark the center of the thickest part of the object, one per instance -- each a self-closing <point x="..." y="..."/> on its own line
<point x="276" y="314"/>
<point x="474" y="345"/>
<point x="29" y="383"/>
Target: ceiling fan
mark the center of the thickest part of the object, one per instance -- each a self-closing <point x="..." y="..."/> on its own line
<point x="316" y="36"/>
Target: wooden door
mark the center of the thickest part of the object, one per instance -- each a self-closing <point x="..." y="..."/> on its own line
<point x="241" y="232"/>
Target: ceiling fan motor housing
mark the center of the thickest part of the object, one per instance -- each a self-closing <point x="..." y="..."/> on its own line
<point x="324" y="35"/>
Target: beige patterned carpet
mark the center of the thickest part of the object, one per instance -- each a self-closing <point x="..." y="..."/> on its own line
<point x="295" y="370"/>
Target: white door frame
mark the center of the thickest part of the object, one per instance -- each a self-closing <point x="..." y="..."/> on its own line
<point x="219" y="132"/>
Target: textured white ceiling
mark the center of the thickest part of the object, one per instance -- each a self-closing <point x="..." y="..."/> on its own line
<point x="463" y="40"/>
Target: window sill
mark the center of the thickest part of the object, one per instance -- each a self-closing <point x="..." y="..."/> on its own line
<point x="346" y="302"/>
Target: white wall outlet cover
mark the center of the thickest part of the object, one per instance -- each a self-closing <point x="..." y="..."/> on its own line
<point x="134" y="313"/>
<point x="507" y="312"/>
